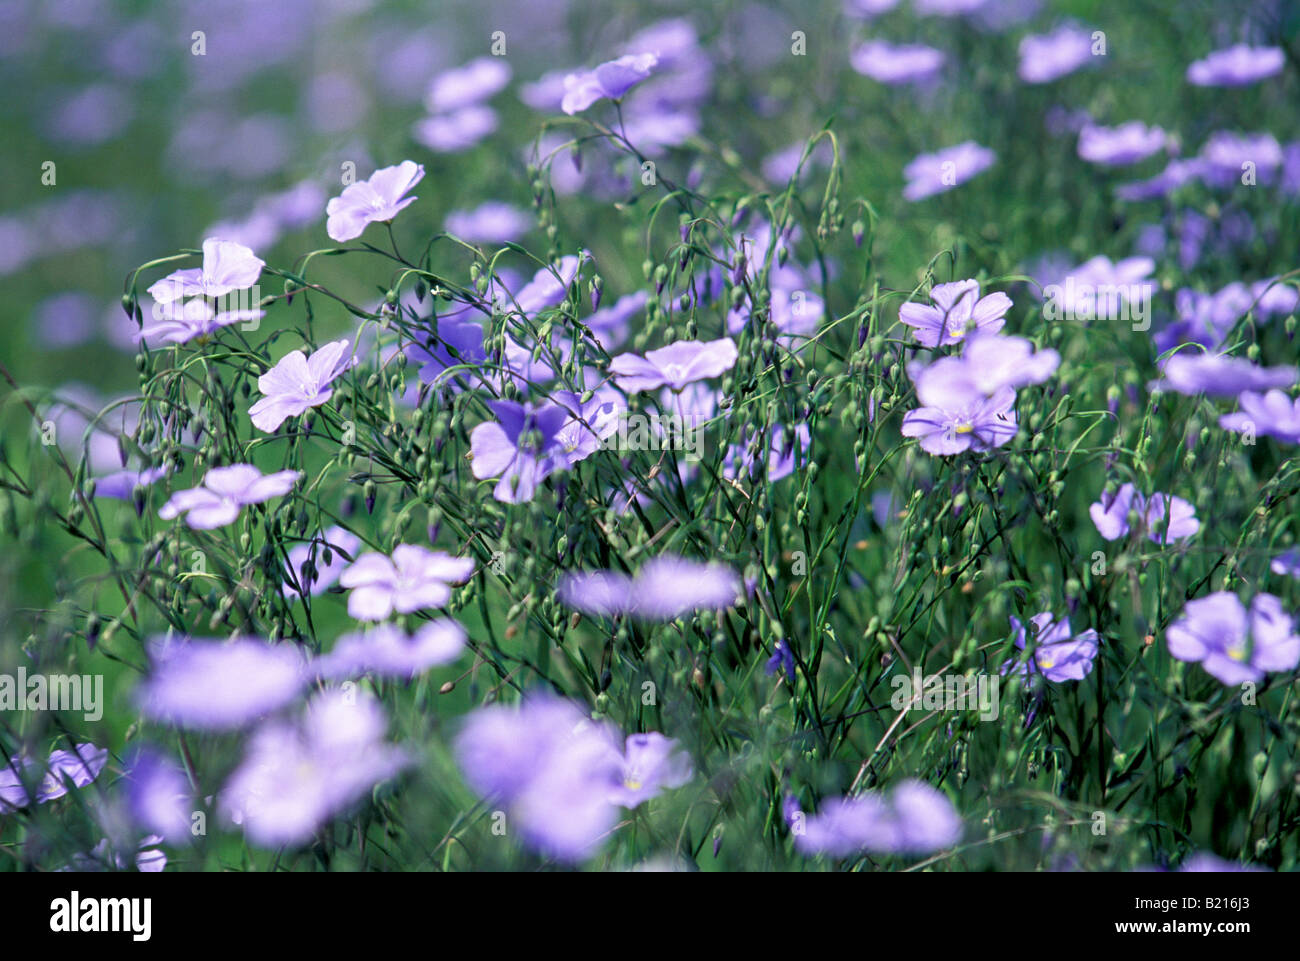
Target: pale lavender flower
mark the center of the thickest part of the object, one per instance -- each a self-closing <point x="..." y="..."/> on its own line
<point x="295" y="776"/>
<point x="741" y="462"/>
<point x="651" y="763"/>
<point x="224" y="492"/>
<point x="159" y="796"/>
<point x="179" y="322"/>
<point x="1237" y="66"/>
<point x="1220" y="375"/>
<point x="77" y="766"/>
<point x="1050" y="56"/>
<point x="665" y="588"/>
<point x="935" y="173"/>
<point x="955" y="414"/>
<point x="1120" y="146"/>
<point x="455" y="131"/>
<point x="298" y="383"/>
<point x="492" y="222"/>
<point x="611" y="80"/>
<point x="675" y="366"/>
<point x="1288" y="563"/>
<point x="1273" y="414"/>
<point x="522" y="448"/>
<point x="388" y="651"/>
<point x="914" y="818"/>
<point x="121" y="485"/>
<point x="995" y="361"/>
<point x="220" y="685"/>
<point x="1227" y="156"/>
<point x="472" y="83"/>
<point x="1058" y="654"/>
<point x="1232" y="645"/>
<point x="227" y="266"/>
<point x="896" y="64"/>
<point x="955" y="307"/>
<point x="322" y="573"/>
<point x="552" y="768"/>
<point x="412" y="579"/>
<point x="365" y="202"/>
<point x="1110" y="515"/>
<point x="1204" y="862"/>
<point x="1176" y="174"/>
<point x="609" y="325"/>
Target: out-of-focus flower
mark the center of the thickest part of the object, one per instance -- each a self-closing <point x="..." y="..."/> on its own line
<point x="1175" y="175"/>
<point x="365" y="202"/>
<point x="913" y="818"/>
<point x="1050" y="56"/>
<point x="935" y="173"/>
<point x="611" y="80"/>
<point x="742" y="461"/>
<point x="1288" y="563"/>
<point x="665" y="588"/>
<point x="651" y="763"/>
<point x="1232" y="645"/>
<point x="1059" y="654"/>
<point x="955" y="414"/>
<point x="472" y="83"/>
<point x="1236" y="66"/>
<point x="322" y="573"/>
<point x="1129" y="143"/>
<point x="1227" y="157"/>
<point x="388" y="651"/>
<point x="1219" y="375"/>
<point x="1273" y="414"/>
<point x="996" y="361"/>
<point x="227" y="266"/>
<point x="1110" y="515"/>
<point x="295" y="776"/>
<point x="224" y="492"/>
<point x="897" y="64"/>
<point x="298" y="383"/>
<point x="412" y="579"/>
<point x="221" y="685"/>
<point x="675" y="366"/>
<point x="492" y="222"/>
<point x="159" y="797"/>
<point x="955" y="307"/>
<point x="455" y="131"/>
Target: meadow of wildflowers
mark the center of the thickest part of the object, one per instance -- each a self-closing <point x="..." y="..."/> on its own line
<point x="757" y="436"/>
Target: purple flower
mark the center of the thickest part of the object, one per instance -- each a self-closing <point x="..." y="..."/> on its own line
<point x="914" y="818"/>
<point x="455" y="131"/>
<point x="1288" y="562"/>
<point x="1236" y="66"/>
<point x="651" y="763"/>
<point x="609" y="325"/>
<point x="159" y="796"/>
<point x="1273" y="414"/>
<point x="1120" y="146"/>
<point x="388" y="651"/>
<point x="955" y="307"/>
<point x="956" y="415"/>
<point x="1059" y="654"/>
<point x="413" y="579"/>
<point x="665" y="588"/>
<point x="676" y="365"/>
<point x="463" y="86"/>
<point x="221" y="685"/>
<point x="552" y="768"/>
<point x="611" y="80"/>
<point x="77" y="767"/>
<point x="1175" y="175"/>
<point x="522" y="448"/>
<point x="1232" y="646"/>
<point x="224" y="492"/>
<point x="295" y="776"/>
<point x="298" y="383"/>
<point x="179" y="322"/>
<point x="121" y="485"/>
<point x="227" y="266"/>
<point x="493" y="222"/>
<point x="1204" y="862"/>
<point x="1050" y="56"/>
<point x="459" y="345"/>
<point x="1219" y="375"/>
<point x="340" y="543"/>
<point x="1225" y="155"/>
<point x="995" y="362"/>
<point x="782" y="659"/>
<point x="741" y="461"/>
<point x="1110" y="516"/>
<point x="365" y="202"/>
<point x="936" y="173"/>
<point x="894" y="65"/>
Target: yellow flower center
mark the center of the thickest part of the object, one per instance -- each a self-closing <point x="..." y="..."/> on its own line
<point x="632" y="784"/>
<point x="965" y="428"/>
